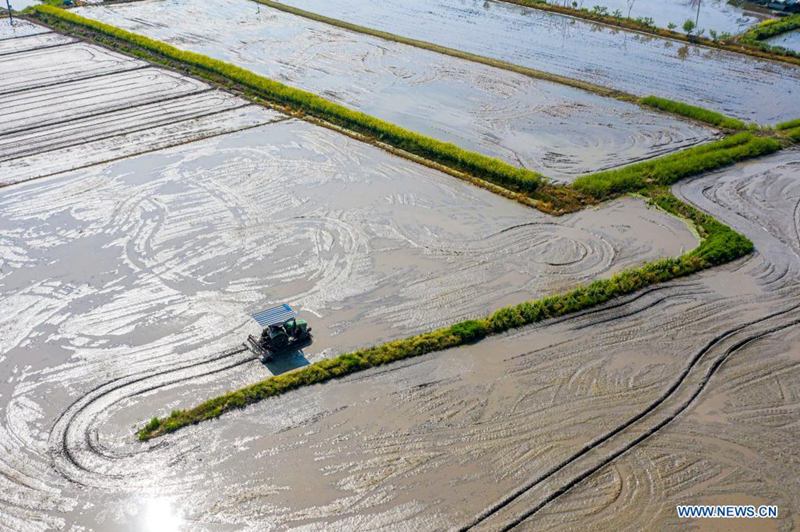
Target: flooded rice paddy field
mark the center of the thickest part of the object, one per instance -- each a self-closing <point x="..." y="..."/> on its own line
<point x="126" y="287"/>
<point x="68" y="104"/>
<point x="629" y="61"/>
<point x="18" y="28"/>
<point x="720" y="15"/>
<point x="430" y="442"/>
<point x="789" y="40"/>
<point x="557" y="130"/>
<point x="125" y="279"/>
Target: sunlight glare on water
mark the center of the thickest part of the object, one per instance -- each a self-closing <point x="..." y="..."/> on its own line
<point x="159" y="514"/>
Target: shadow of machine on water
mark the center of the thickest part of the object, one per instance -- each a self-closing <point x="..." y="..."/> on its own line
<point x="287" y="360"/>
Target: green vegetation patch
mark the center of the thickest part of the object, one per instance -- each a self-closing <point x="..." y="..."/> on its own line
<point x="757" y="35"/>
<point x="791" y="124"/>
<point x="488" y="168"/>
<point x="772" y="27"/>
<point x="697" y="113"/>
<point x="793" y="134"/>
<point x="669" y="169"/>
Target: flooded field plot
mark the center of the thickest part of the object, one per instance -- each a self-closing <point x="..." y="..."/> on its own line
<point x="166" y="211"/>
<point x="789" y="40"/>
<point x="559" y="131"/>
<point x="633" y="62"/>
<point x="68" y="104"/>
<point x="430" y="442"/>
<point x="736" y="444"/>
<point x="13" y="45"/>
<point x="720" y="15"/>
<point x="19" y="28"/>
<point x="145" y="268"/>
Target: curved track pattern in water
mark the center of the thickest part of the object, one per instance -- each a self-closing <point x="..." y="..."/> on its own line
<point x="185" y="241"/>
<point x="483" y="417"/>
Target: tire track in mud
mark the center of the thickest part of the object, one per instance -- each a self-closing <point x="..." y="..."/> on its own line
<point x="189" y="116"/>
<point x="43" y="47"/>
<point x="61" y="445"/>
<point x="80" y="78"/>
<point x="494" y="512"/>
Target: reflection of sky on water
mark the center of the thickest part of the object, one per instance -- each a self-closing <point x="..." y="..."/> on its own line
<point x="158" y="514"/>
<point x="717" y="15"/>
<point x="789" y="40"/>
<point x="18" y="5"/>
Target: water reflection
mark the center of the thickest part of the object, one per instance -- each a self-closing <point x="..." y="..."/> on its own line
<point x="159" y="514"/>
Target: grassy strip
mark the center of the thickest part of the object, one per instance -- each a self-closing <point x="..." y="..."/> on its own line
<point x="791" y="124"/>
<point x="487" y="168"/>
<point x="694" y="112"/>
<point x="668" y="169"/>
<point x="497" y="63"/>
<point x="757" y="35"/>
<point x="793" y="134"/>
<point x="772" y="27"/>
<point x="722" y="41"/>
<point x="720" y="244"/>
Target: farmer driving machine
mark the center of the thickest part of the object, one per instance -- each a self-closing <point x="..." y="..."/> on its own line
<point x="282" y="332"/>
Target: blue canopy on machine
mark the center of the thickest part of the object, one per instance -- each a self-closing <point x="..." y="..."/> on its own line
<point x="274" y="315"/>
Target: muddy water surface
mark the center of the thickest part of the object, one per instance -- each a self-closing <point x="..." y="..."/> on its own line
<point x="434" y="441"/>
<point x="556" y="130"/>
<point x="128" y="277"/>
<point x="68" y="104"/>
<point x="736" y="443"/>
<point x="789" y="40"/>
<point x="633" y="62"/>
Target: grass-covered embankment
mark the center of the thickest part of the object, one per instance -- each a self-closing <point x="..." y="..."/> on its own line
<point x="790" y="129"/>
<point x="493" y="170"/>
<point x="670" y="168"/>
<point x="720" y="244"/>
<point x="692" y="111"/>
<point x="758" y="35"/>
